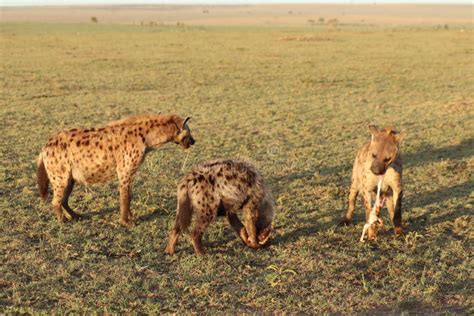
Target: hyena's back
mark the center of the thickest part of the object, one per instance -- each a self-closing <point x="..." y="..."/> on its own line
<point x="229" y="181"/>
<point x="85" y="154"/>
<point x="218" y="186"/>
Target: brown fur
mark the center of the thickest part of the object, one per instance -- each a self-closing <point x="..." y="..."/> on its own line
<point x="225" y="186"/>
<point x="43" y="180"/>
<point x="381" y="156"/>
<point x="96" y="155"/>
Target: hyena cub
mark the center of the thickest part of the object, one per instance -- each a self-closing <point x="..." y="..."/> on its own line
<point x="98" y="154"/>
<point x="223" y="187"/>
<point x="378" y="159"/>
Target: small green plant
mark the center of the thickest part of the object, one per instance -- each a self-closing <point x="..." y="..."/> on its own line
<point x="278" y="274"/>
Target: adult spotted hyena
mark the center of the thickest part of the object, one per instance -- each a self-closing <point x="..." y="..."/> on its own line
<point x="98" y="154"/>
<point x="378" y="159"/>
<point x="223" y="187"/>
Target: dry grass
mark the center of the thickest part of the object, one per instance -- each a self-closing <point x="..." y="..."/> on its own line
<point x="298" y="109"/>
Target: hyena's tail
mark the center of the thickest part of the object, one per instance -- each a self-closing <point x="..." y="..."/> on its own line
<point x="42" y="178"/>
<point x="184" y="212"/>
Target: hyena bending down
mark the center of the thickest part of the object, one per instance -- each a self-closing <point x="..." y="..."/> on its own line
<point x="223" y="187"/>
<point x="379" y="159"/>
<point x="98" y="154"/>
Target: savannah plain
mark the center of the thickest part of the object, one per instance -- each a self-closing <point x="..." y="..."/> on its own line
<point x="286" y="90"/>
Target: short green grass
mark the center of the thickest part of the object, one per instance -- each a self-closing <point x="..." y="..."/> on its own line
<point x="297" y="103"/>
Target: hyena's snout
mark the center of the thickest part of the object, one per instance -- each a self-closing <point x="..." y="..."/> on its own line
<point x="188" y="142"/>
<point x="263" y="234"/>
<point x="191" y="141"/>
<point x="378" y="168"/>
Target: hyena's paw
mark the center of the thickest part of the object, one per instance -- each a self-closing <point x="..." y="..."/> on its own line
<point x="169" y="250"/>
<point x="126" y="223"/>
<point x="345" y="222"/>
<point x="264" y="235"/>
<point x="76" y="217"/>
<point x="398" y="231"/>
<point x="62" y="221"/>
<point x="73" y="216"/>
<point x="253" y="244"/>
<point x="243" y="235"/>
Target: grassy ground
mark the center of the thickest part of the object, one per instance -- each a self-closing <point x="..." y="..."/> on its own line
<point x="297" y="103"/>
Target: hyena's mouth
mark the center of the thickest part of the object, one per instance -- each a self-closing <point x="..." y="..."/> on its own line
<point x="264" y="235"/>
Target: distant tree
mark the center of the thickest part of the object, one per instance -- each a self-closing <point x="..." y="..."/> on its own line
<point x="94" y="19"/>
<point x="332" y="22"/>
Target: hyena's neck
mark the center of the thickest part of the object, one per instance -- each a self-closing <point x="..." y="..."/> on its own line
<point x="159" y="130"/>
<point x="153" y="130"/>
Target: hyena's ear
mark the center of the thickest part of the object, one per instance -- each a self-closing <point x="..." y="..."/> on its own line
<point x="186" y="120"/>
<point x="374" y="130"/>
<point x="400" y="136"/>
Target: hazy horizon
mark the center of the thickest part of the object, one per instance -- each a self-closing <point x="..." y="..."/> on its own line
<point x="13" y="3"/>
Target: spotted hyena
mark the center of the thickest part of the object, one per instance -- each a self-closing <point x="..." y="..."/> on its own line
<point x="378" y="159"/>
<point x="223" y="187"/>
<point x="99" y="154"/>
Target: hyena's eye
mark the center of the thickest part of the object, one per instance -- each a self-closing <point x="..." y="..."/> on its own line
<point x="374" y="155"/>
<point x="387" y="159"/>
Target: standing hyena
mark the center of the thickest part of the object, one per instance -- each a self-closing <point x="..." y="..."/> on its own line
<point x="379" y="159"/>
<point x="98" y="154"/>
<point x="223" y="187"/>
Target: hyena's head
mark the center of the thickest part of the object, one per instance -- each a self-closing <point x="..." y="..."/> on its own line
<point x="183" y="135"/>
<point x="265" y="218"/>
<point x="384" y="148"/>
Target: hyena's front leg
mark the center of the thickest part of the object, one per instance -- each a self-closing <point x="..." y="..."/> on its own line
<point x="395" y="210"/>
<point x="173" y="239"/>
<point x="65" y="200"/>
<point x="353" y="192"/>
<point x="60" y="193"/>
<point x="367" y="205"/>
<point x="237" y="225"/>
<point x="126" y="218"/>
<point x="251" y="216"/>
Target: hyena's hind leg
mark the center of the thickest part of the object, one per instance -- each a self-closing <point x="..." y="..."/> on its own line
<point x="65" y="200"/>
<point x="60" y="187"/>
<point x="204" y="216"/>
<point x="353" y="192"/>
<point x="184" y="214"/>
<point x="173" y="239"/>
